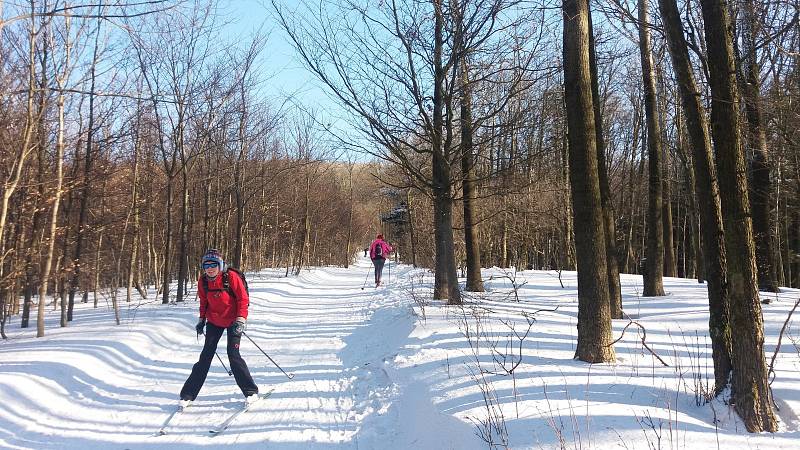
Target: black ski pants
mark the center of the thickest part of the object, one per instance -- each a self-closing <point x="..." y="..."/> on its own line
<point x="200" y="370"/>
<point x="378" y="262"/>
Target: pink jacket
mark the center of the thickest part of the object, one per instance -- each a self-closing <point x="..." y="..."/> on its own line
<point x="386" y="248"/>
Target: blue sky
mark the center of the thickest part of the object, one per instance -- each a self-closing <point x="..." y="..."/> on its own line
<point x="281" y="72"/>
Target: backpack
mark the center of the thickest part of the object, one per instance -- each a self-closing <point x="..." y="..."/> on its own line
<point x="226" y="283"/>
<point x="379" y="250"/>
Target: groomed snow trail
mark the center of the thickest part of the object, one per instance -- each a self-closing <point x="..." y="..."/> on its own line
<point x="68" y="391"/>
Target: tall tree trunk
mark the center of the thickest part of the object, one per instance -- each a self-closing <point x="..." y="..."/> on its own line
<point x="752" y="397"/>
<point x="304" y="247"/>
<point x="670" y="261"/>
<point x="183" y="248"/>
<point x="568" y="243"/>
<point x="166" y="276"/>
<point x="238" y="196"/>
<point x="135" y="213"/>
<point x="23" y="152"/>
<point x="614" y="289"/>
<point x="594" y="314"/>
<point x="471" y="241"/>
<point x="44" y="276"/>
<point x="351" y="205"/>
<point x="654" y="267"/>
<point x="693" y="255"/>
<point x="411" y="237"/>
<point x="760" y="183"/>
<point x="707" y="191"/>
<point x="445" y="277"/>
<point x="86" y="185"/>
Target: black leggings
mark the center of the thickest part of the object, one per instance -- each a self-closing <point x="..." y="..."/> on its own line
<point x="200" y="370"/>
<point x="378" y="262"/>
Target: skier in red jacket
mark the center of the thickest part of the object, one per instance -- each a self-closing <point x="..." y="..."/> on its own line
<point x="222" y="306"/>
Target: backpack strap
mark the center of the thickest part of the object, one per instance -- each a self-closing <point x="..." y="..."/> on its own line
<point x="226" y="284"/>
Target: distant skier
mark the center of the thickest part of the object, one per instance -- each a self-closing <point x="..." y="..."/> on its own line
<point x="378" y="252"/>
<point x="223" y="305"/>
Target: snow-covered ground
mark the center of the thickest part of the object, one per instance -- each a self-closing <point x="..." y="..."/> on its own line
<point x="383" y="369"/>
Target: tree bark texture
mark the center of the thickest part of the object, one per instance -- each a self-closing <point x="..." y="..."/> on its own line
<point x="614" y="288"/>
<point x="752" y="397"/>
<point x="760" y="182"/>
<point x="446" y="278"/>
<point x="707" y="191"/>
<point x="653" y="276"/>
<point x="471" y="241"/>
<point x="594" y="314"/>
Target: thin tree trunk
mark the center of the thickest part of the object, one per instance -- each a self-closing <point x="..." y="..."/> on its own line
<point x="36" y="229"/>
<point x="305" y="246"/>
<point x="25" y="149"/>
<point x="45" y="271"/>
<point x="183" y="248"/>
<point x="568" y="250"/>
<point x="351" y="203"/>
<point x="412" y="238"/>
<point x="761" y="185"/>
<point x="670" y="261"/>
<point x="86" y="185"/>
<point x="136" y="229"/>
<point x="654" y="266"/>
<point x="166" y="276"/>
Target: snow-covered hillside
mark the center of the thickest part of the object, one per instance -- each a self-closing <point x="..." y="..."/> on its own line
<point x="384" y="369"/>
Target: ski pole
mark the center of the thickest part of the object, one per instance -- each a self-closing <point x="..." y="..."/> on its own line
<point x="220" y="359"/>
<point x="223" y="364"/>
<point x="365" y="281"/>
<point x="288" y="375"/>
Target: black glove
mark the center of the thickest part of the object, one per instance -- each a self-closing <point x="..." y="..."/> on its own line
<point x="239" y="326"/>
<point x="201" y="324"/>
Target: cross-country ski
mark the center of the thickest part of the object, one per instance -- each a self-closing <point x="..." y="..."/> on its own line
<point x="245" y="407"/>
<point x="179" y="410"/>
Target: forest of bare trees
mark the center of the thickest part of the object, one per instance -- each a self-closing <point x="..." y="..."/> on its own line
<point x="646" y="137"/>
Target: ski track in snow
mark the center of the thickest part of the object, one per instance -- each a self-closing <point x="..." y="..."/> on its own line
<point x="335" y="337"/>
<point x="374" y="370"/>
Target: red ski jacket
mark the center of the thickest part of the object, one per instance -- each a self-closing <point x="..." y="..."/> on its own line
<point x="217" y="305"/>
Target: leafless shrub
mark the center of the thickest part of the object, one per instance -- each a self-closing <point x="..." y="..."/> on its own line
<point x="417" y="293"/>
<point x="511" y="276"/>
<point x="644" y="337"/>
<point x="492" y="427"/>
<point x="771" y="371"/>
<point x="555" y="420"/>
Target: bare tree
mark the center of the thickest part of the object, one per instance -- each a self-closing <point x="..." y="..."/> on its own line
<point x="594" y="312"/>
<point x="614" y="288"/>
<point x="707" y="190"/>
<point x="654" y="271"/>
<point x="760" y="181"/>
<point x="751" y="392"/>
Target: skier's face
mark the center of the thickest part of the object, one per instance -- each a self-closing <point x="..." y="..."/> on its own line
<point x="212" y="270"/>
